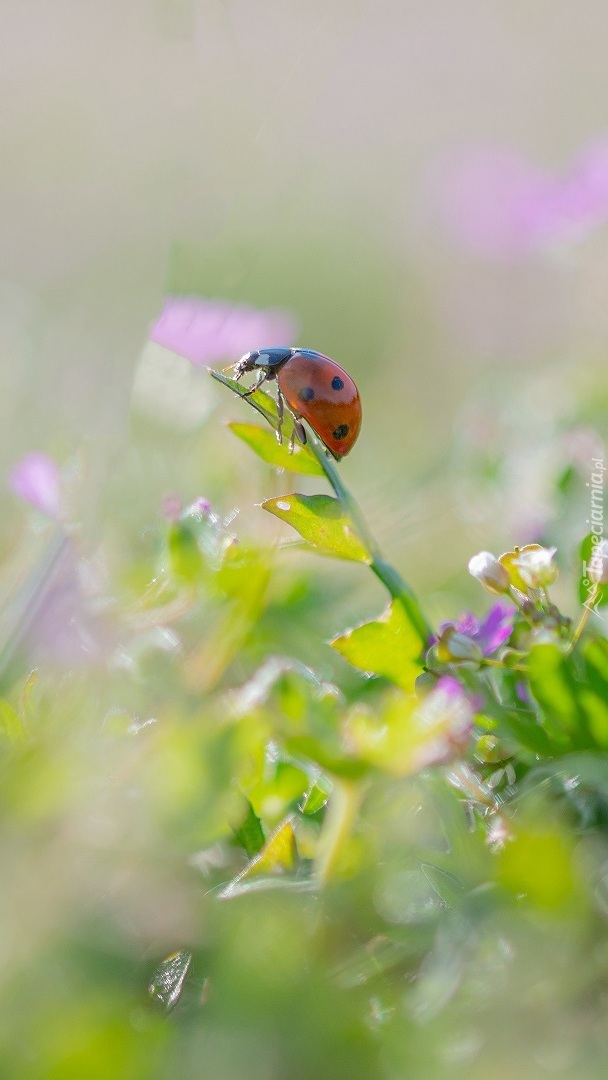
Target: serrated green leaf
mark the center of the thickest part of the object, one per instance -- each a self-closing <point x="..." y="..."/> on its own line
<point x="265" y="445"/>
<point x="388" y="646"/>
<point x="320" y="519"/>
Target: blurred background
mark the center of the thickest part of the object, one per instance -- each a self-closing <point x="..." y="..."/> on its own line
<point x="313" y="159"/>
<point x="421" y="191"/>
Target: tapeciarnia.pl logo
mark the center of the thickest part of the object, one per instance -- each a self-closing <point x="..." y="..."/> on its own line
<point x="592" y="570"/>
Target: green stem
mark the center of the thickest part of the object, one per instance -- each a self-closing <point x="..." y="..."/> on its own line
<point x="582" y="622"/>
<point x="488" y="662"/>
<point x="384" y="571"/>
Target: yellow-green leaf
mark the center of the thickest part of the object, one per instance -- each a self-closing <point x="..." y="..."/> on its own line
<point x="264" y="443"/>
<point x="276" y="857"/>
<point x="388" y="646"/>
<point x="11" y="725"/>
<point x="320" y="520"/>
<point x="538" y="864"/>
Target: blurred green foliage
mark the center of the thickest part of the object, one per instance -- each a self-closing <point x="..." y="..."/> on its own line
<point x="224" y="858"/>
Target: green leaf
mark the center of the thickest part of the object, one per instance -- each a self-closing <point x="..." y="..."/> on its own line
<point x="265" y="445"/>
<point x="250" y="834"/>
<point x="583" y="770"/>
<point x="317" y="796"/>
<point x="538" y="864"/>
<point x="333" y="760"/>
<point x="573" y="694"/>
<point x="11" y="725"/>
<point x="401" y="736"/>
<point x="321" y="520"/>
<point x="388" y="646"/>
<point x="554" y="688"/>
<point x="278" y="856"/>
<point x="185" y="556"/>
<point x="445" y="885"/>
<point x="260" y="401"/>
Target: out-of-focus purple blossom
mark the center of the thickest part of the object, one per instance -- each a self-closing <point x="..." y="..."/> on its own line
<point x="522" y="692"/>
<point x="62" y="628"/>
<point x="201" y="506"/>
<point x="174" y="510"/>
<point x="491" y="632"/>
<point x="500" y="205"/>
<point x="217" y="331"/>
<point x="447" y="713"/>
<point x="48" y="616"/>
<point x="172" y="507"/>
<point x="35" y="478"/>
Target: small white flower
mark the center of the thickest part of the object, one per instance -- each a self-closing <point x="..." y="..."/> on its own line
<point x="489" y="572"/>
<point x="536" y="567"/>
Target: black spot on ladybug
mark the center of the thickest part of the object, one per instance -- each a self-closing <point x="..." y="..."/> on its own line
<point x="341" y="432"/>
<point x="306" y="393"/>
<point x="337" y="383"/>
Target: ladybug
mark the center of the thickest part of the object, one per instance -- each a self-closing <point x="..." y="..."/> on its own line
<point x="315" y="389"/>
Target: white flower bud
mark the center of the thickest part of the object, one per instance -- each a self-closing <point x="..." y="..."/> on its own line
<point x="489" y="572"/>
<point x="453" y="646"/>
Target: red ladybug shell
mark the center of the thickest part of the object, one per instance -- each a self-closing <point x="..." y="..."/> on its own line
<point x="324" y="394"/>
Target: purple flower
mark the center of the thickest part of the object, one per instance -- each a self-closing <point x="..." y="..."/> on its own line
<point x="491" y="632"/>
<point x="216" y="331"/>
<point x="36" y="479"/>
<point x="500" y="205"/>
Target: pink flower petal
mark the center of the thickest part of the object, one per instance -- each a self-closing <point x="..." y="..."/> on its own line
<point x="489" y="200"/>
<point x="36" y="480"/>
<point x="216" y="331"/>
<point x="499" y="204"/>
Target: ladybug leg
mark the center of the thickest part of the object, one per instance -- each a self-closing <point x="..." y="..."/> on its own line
<point x="297" y="432"/>
<point x="262" y="378"/>
<point x="300" y="431"/>
<point x="280" y="414"/>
